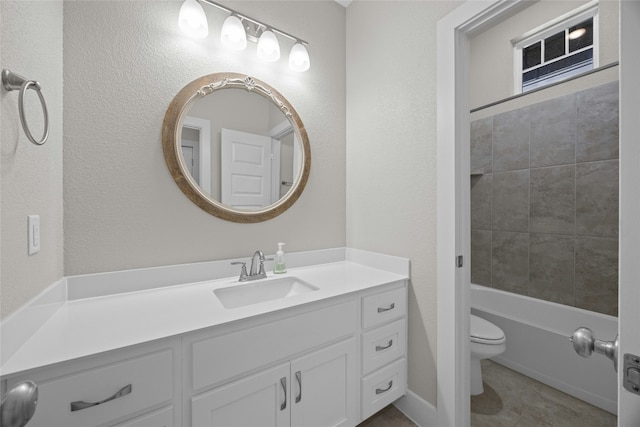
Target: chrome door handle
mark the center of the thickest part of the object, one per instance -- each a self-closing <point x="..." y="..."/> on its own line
<point x="299" y="379"/>
<point x="585" y="344"/>
<point x="283" y="383"/>
<point x="80" y="405"/>
<point x="383" y="309"/>
<point x="384" y="347"/>
<point x="383" y="390"/>
<point x="19" y="404"/>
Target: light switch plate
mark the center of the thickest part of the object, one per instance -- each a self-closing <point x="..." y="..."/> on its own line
<point x="33" y="234"/>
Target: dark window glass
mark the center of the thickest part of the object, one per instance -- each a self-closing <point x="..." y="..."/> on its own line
<point x="583" y="40"/>
<point x="531" y="56"/>
<point x="561" y="66"/>
<point x="554" y="46"/>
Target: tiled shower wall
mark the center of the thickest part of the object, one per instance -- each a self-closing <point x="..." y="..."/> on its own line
<point x="544" y="200"/>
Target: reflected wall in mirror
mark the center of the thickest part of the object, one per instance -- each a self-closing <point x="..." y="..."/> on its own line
<point x="236" y="147"/>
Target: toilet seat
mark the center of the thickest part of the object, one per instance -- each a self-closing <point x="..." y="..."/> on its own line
<point x="484" y="332"/>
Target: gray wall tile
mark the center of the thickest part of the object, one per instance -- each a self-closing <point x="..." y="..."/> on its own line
<point x="597" y="199"/>
<point x="481" y="191"/>
<point x="553" y="132"/>
<point x="481" y="257"/>
<point x="510" y="261"/>
<point x="570" y="209"/>
<point x="481" y="145"/>
<point x="551" y="268"/>
<point x="553" y="199"/>
<point x="511" y="140"/>
<point x="598" y="126"/>
<point x="511" y="201"/>
<point x="597" y="274"/>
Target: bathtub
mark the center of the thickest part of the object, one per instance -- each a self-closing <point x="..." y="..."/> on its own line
<point x="538" y="345"/>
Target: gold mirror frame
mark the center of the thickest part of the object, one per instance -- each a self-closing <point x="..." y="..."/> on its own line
<point x="171" y="136"/>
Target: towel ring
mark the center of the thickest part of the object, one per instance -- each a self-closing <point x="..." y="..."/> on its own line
<point x="12" y="81"/>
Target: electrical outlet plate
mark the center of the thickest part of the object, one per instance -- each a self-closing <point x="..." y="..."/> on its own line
<point x="33" y="234"/>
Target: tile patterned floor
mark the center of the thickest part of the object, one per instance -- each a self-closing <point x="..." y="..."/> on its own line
<point x="388" y="417"/>
<point x="511" y="399"/>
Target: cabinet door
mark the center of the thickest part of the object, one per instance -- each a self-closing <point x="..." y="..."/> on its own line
<point x="160" y="418"/>
<point x="260" y="400"/>
<point x="324" y="387"/>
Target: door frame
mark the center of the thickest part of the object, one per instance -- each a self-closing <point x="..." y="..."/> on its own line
<point x="453" y="199"/>
<point x="453" y="202"/>
<point x="203" y="126"/>
<point x="629" y="269"/>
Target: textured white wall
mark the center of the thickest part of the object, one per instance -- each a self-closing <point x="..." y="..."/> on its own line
<point x="31" y="176"/>
<point x="391" y="154"/>
<point x="124" y="62"/>
<point x="491" y="76"/>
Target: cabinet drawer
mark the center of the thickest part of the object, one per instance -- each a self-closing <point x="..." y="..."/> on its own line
<point x="383" y="387"/>
<point x="220" y="358"/>
<point x="383" y="307"/>
<point x="383" y="345"/>
<point x="104" y="393"/>
<point x="160" y="418"/>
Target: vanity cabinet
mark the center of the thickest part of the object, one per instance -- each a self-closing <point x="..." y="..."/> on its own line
<point x="384" y="349"/>
<point x="131" y="387"/>
<point x="317" y="389"/>
<point x="298" y="370"/>
<point x="330" y="362"/>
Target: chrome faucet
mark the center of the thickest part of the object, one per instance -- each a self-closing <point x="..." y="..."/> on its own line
<point x="255" y="273"/>
<point x="254" y="267"/>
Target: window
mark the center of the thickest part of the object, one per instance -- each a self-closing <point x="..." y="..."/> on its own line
<point x="561" y="49"/>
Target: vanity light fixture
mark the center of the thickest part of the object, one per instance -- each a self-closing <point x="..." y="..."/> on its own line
<point x="233" y="35"/>
<point x="192" y="20"/>
<point x="239" y="28"/>
<point x="299" y="58"/>
<point x="268" y="47"/>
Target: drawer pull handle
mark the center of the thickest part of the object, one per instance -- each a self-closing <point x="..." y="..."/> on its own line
<point x="384" y="347"/>
<point x="381" y="390"/>
<point x="383" y="309"/>
<point x="80" y="405"/>
<point x="283" y="383"/>
<point x="299" y="379"/>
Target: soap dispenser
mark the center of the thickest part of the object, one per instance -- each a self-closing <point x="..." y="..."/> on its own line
<point x="280" y="266"/>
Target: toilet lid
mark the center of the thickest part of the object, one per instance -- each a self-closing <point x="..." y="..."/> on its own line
<point x="485" y="332"/>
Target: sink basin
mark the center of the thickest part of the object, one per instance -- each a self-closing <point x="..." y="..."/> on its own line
<point x="261" y="291"/>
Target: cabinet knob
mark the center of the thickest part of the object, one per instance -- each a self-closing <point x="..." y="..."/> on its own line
<point x="299" y="379"/>
<point x="383" y="309"/>
<point x="383" y="390"/>
<point x="283" y="383"/>
<point x="19" y="404"/>
<point x="80" y="405"/>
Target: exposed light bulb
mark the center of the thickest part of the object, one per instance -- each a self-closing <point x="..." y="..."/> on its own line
<point x="577" y="33"/>
<point x="233" y="35"/>
<point x="268" y="47"/>
<point x="299" y="58"/>
<point x="192" y="19"/>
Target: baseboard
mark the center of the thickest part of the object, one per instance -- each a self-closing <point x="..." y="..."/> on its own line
<point x="421" y="412"/>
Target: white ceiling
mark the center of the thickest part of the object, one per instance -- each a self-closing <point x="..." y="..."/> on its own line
<point x="344" y="3"/>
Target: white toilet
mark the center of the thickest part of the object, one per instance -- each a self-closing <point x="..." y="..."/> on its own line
<point x="487" y="340"/>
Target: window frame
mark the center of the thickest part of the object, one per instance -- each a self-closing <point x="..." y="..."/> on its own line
<point x="568" y="20"/>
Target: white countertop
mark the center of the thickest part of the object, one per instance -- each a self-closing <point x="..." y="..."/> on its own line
<point x="83" y="327"/>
